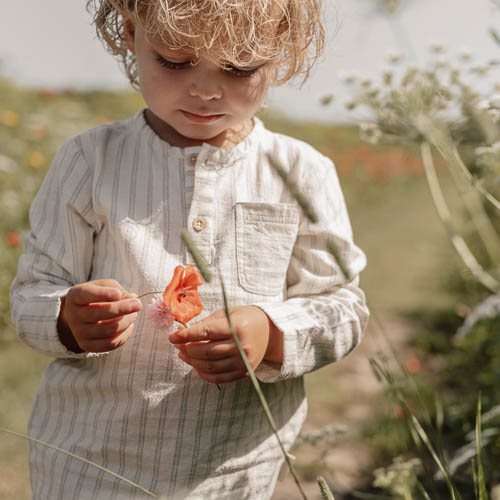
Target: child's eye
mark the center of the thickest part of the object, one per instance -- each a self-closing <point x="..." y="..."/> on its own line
<point x="242" y="72"/>
<point x="172" y="64"/>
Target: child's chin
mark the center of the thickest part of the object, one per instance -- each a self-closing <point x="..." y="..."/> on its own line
<point x="202" y="135"/>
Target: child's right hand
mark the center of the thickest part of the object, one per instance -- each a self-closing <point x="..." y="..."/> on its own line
<point x="97" y="316"/>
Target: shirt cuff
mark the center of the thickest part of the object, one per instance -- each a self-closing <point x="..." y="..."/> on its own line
<point x="38" y="329"/>
<point x="289" y="320"/>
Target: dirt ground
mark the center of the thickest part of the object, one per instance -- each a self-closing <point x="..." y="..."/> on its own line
<point x="344" y="395"/>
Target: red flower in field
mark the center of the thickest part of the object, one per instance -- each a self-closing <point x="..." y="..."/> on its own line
<point x="12" y="239"/>
<point x="400" y="413"/>
<point x="413" y="365"/>
<point x="181" y="295"/>
<point x="46" y="94"/>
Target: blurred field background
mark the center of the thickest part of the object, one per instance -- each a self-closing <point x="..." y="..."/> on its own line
<point x="393" y="219"/>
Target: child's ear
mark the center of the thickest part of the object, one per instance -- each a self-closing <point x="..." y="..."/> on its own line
<point x="130" y="35"/>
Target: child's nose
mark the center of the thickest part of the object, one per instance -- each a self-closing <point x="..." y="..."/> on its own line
<point x="206" y="90"/>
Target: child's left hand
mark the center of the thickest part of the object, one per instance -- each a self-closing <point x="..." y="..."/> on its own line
<point x="209" y="348"/>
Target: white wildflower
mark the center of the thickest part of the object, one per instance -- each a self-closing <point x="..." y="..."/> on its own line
<point x="480" y="70"/>
<point x="495" y="101"/>
<point x="387" y="77"/>
<point x="437" y="48"/>
<point x="483" y="105"/>
<point x="488" y="150"/>
<point x="487" y="309"/>
<point x="370" y="132"/>
<point x="395" y="57"/>
<point x="400" y="477"/>
<point x="10" y="200"/>
<point x="347" y="77"/>
<point x="441" y="62"/>
<point x="465" y="55"/>
<point x="7" y="164"/>
<point x="494" y="115"/>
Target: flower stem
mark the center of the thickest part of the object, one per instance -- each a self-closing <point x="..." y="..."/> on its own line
<point x="485" y="278"/>
<point x="260" y="394"/>
<point x="149" y="293"/>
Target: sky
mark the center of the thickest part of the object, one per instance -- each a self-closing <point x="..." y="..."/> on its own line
<point x="53" y="44"/>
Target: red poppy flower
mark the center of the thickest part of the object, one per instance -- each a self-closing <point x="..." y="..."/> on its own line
<point x="181" y="294"/>
<point x="13" y="239"/>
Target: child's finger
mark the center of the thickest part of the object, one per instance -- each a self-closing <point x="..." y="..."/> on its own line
<point x="89" y="292"/>
<point x="110" y="328"/>
<point x="208" y="329"/>
<point x="107" y="343"/>
<point x="210" y="350"/>
<point x="102" y="311"/>
<point x="219" y="366"/>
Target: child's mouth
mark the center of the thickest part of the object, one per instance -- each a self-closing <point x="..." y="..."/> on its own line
<point x="193" y="117"/>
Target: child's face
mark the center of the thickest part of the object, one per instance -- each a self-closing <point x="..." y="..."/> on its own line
<point x="196" y="103"/>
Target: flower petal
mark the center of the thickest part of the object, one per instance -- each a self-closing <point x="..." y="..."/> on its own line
<point x="159" y="314"/>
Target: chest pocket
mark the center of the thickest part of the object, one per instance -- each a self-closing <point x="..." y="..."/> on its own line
<point x="265" y="235"/>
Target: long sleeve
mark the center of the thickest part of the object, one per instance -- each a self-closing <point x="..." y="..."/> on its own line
<point x="58" y="251"/>
<point x="324" y="315"/>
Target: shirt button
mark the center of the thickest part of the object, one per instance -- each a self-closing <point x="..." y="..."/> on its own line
<point x="192" y="160"/>
<point x="199" y="224"/>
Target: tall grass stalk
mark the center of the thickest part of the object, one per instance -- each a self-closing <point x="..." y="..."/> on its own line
<point x="310" y="215"/>
<point x="197" y="257"/>
<point x="416" y="430"/>
<point x="455" y="495"/>
<point x="443" y="211"/>
<point x="260" y="394"/>
<point x="81" y="459"/>
<point x="302" y="200"/>
<point x="422" y="491"/>
<point x="470" y="189"/>
<point x="325" y="490"/>
<point x="203" y="267"/>
<point x="480" y="482"/>
<point x="411" y="380"/>
<point x="442" y="141"/>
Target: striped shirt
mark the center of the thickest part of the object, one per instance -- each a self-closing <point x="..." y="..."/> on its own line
<point x="112" y="206"/>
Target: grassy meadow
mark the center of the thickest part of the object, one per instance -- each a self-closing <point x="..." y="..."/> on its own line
<point x="393" y="218"/>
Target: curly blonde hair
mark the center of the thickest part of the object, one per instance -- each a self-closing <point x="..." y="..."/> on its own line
<point x="289" y="33"/>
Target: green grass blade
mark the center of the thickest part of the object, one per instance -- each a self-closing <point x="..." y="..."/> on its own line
<point x="326" y="492"/>
<point x="421" y="489"/>
<point x="197" y="257"/>
<point x="81" y="459"/>
<point x="310" y="214"/>
<point x="479" y="476"/>
<point x="259" y="392"/>
<point x="455" y="495"/>
<point x="303" y="202"/>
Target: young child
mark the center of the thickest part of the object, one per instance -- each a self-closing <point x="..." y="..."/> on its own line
<point x="105" y="228"/>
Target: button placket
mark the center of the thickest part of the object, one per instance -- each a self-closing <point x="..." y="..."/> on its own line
<point x="202" y="212"/>
<point x="192" y="159"/>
